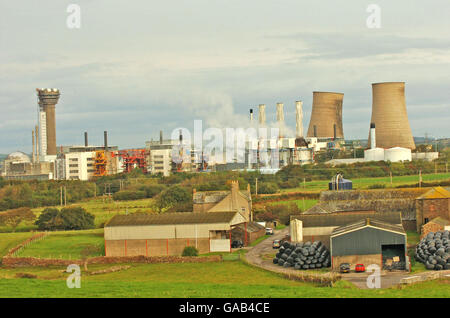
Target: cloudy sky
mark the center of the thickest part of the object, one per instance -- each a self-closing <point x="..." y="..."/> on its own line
<point x="136" y="67"/>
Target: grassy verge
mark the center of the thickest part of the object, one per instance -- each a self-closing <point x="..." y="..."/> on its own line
<point x="10" y="240"/>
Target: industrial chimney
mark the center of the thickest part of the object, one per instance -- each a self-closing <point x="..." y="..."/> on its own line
<point x="47" y="100"/>
<point x="85" y="139"/>
<point x="36" y="135"/>
<point x="298" y="119"/>
<point x="33" y="146"/>
<point x="280" y="118"/>
<point x="105" y="138"/>
<point x="262" y="114"/>
<point x="390" y="116"/>
<point x="373" y="143"/>
<point x="160" y="137"/>
<point x="251" y="116"/>
<point x="326" y="115"/>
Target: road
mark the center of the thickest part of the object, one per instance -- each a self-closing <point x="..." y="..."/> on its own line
<point x="256" y="255"/>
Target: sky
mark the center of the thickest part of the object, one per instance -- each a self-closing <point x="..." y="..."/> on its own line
<point x="134" y="68"/>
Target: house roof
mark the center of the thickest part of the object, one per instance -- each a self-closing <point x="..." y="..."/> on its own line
<point x="171" y="218"/>
<point x="209" y="196"/>
<point x="436" y="193"/>
<point x="368" y="222"/>
<point x="251" y="227"/>
<point x="337" y="219"/>
<point x="440" y="221"/>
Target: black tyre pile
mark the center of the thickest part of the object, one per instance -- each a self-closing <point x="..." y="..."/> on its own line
<point x="304" y="255"/>
<point x="434" y="250"/>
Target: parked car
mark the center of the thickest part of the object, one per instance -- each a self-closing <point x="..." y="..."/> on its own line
<point x="237" y="244"/>
<point x="269" y="231"/>
<point x="359" y="268"/>
<point x="276" y="244"/>
<point x="344" y="268"/>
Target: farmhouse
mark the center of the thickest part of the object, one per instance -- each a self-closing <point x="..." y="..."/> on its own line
<point x="432" y="204"/>
<point x="369" y="241"/>
<point x="320" y="226"/>
<point x="169" y="233"/>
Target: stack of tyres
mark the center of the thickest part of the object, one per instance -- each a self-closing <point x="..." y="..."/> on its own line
<point x="434" y="250"/>
<point x="303" y="255"/>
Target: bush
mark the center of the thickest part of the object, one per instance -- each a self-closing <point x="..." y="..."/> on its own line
<point x="174" y="196"/>
<point x="267" y="188"/>
<point x="190" y="251"/>
<point x="126" y="195"/>
<point x="152" y="190"/>
<point x="377" y="186"/>
<point x="71" y="218"/>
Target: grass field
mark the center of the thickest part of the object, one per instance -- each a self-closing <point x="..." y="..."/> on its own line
<point x="302" y="204"/>
<point x="224" y="279"/>
<point x="10" y="240"/>
<point x="365" y="183"/>
<point x="66" y="245"/>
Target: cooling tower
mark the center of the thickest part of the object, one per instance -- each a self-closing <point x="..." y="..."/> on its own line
<point x="298" y="119"/>
<point x="48" y="98"/>
<point x="390" y="117"/>
<point x="280" y="118"/>
<point x="326" y="115"/>
<point x="262" y="114"/>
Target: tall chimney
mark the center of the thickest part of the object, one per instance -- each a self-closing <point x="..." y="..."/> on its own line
<point x="262" y="114"/>
<point x="373" y="143"/>
<point x="161" y="137"/>
<point x="251" y="116"/>
<point x="280" y="118"/>
<point x="48" y="98"/>
<point x="36" y="135"/>
<point x="105" y="137"/>
<point x="299" y="119"/>
<point x="33" y="146"/>
<point x="86" y="139"/>
<point x="181" y="137"/>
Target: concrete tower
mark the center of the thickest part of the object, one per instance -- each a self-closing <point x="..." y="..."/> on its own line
<point x="326" y="115"/>
<point x="298" y="119"/>
<point x="262" y="114"/>
<point x="390" y="117"/>
<point x="280" y="118"/>
<point x="48" y="98"/>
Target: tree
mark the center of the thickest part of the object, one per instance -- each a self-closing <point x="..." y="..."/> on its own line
<point x="70" y="218"/>
<point x="175" y="195"/>
<point x="13" y="218"/>
<point x="190" y="251"/>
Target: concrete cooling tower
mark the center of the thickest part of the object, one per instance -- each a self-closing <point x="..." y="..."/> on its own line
<point x="390" y="117"/>
<point x="326" y="115"/>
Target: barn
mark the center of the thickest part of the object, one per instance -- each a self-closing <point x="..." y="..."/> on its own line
<point x="319" y="226"/>
<point x="432" y="204"/>
<point x="169" y="233"/>
<point x="367" y="242"/>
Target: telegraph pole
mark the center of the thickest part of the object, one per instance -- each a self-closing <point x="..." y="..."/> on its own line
<point x="256" y="186"/>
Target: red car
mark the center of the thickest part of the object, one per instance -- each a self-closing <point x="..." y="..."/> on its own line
<point x="359" y="268"/>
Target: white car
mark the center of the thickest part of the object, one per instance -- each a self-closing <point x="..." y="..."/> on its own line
<point x="269" y="231"/>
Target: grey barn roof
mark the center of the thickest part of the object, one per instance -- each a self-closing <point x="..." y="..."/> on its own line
<point x="171" y="218"/>
<point x="343" y="218"/>
<point x="368" y="222"/>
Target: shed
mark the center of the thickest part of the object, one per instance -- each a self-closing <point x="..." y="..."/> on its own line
<point x="367" y="242"/>
<point x="432" y="204"/>
<point x="169" y="233"/>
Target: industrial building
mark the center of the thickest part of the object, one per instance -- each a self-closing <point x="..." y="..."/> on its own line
<point x="369" y="241"/>
<point x="169" y="233"/>
<point x="47" y="100"/>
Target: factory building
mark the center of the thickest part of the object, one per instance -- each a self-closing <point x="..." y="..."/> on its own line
<point x="19" y="166"/>
<point x="169" y="233"/>
<point x="369" y="241"/>
<point x="47" y="100"/>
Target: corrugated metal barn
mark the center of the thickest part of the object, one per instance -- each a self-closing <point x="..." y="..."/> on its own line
<point x="368" y="242"/>
<point x="319" y="226"/>
<point x="169" y="233"/>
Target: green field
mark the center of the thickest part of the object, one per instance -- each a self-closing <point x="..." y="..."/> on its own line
<point x="66" y="245"/>
<point x="365" y="183"/>
<point x="302" y="204"/>
<point x="210" y="280"/>
<point x="10" y="240"/>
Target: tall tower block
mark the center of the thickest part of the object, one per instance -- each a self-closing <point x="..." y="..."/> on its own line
<point x="326" y="115"/>
<point x="47" y="100"/>
<point x="390" y="117"/>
